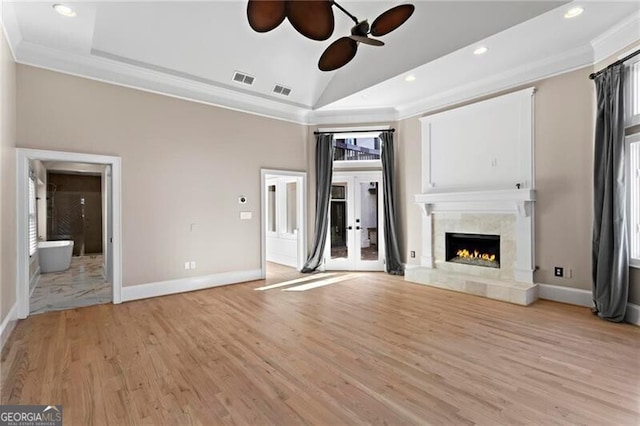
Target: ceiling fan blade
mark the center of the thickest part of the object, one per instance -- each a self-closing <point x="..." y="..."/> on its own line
<point x="338" y="54"/>
<point x="311" y="18"/>
<point x="391" y="19"/>
<point x="265" y="15"/>
<point x="366" y="40"/>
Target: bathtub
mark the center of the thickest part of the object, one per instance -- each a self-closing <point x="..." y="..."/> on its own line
<point x="55" y="255"/>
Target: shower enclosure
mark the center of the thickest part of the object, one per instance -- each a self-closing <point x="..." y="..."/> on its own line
<point x="74" y="211"/>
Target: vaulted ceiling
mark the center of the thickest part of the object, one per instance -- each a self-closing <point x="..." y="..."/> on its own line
<point x="192" y="50"/>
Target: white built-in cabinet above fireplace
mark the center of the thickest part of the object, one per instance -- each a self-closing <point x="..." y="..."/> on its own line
<point x="485" y="146"/>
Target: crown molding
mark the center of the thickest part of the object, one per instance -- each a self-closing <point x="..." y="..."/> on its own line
<point x="616" y="38"/>
<point x="148" y="80"/>
<point x="349" y="116"/>
<point x="10" y="27"/>
<point x="509" y="79"/>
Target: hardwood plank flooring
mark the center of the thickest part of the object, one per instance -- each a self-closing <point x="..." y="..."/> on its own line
<point x="373" y="349"/>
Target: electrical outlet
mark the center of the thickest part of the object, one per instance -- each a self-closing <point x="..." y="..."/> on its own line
<point x="187" y="265"/>
<point x="558" y="271"/>
<point x="193" y="264"/>
<point x="413" y="254"/>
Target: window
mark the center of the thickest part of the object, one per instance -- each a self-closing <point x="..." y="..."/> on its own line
<point x="633" y="184"/>
<point x="33" y="224"/>
<point x="633" y="159"/>
<point x="357" y="150"/>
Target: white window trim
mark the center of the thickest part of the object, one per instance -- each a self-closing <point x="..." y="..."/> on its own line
<point x="629" y="140"/>
<point x="360" y="164"/>
<point x="631" y="95"/>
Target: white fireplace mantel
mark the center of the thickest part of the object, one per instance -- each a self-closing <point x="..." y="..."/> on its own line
<point x="514" y="201"/>
<point x="489" y="201"/>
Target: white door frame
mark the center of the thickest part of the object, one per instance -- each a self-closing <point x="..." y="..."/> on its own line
<point x="301" y="210"/>
<point x="352" y="264"/>
<point x="25" y="155"/>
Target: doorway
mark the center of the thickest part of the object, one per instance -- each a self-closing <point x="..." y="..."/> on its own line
<point x="283" y="221"/>
<point x="91" y="216"/>
<point x="354" y="240"/>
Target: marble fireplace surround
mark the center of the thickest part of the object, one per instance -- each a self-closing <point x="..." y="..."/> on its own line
<point x="508" y="213"/>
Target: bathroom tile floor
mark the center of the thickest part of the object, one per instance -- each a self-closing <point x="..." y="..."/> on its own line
<point x="80" y="285"/>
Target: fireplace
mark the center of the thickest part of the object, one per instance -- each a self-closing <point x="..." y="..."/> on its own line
<point x="473" y="249"/>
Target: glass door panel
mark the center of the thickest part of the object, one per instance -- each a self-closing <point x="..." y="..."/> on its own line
<point x="369" y="221"/>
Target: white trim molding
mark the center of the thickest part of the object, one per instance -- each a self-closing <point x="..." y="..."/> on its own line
<point x="23" y="156"/>
<point x="616" y="38"/>
<point x="504" y="200"/>
<point x="582" y="297"/>
<point x="182" y="285"/>
<point x="527" y="73"/>
<point x="633" y="314"/>
<point x="570" y="295"/>
<point x="8" y="324"/>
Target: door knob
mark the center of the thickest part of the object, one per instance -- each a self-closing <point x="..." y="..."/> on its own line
<point x="357" y="228"/>
<point x="349" y="228"/>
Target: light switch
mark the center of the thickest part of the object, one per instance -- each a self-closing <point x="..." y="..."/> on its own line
<point x="245" y="215"/>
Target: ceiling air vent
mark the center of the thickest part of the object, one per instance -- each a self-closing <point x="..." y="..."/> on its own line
<point x="281" y="90"/>
<point x="239" y="77"/>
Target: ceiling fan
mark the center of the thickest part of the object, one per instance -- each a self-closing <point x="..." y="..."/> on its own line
<point x="314" y="19"/>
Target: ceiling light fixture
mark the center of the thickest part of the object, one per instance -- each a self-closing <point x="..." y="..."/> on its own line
<point x="314" y="19"/>
<point x="410" y="78"/>
<point x="480" y="50"/>
<point x="573" y="12"/>
<point x="64" y="10"/>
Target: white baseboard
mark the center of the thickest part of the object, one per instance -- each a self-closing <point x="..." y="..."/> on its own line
<point x="572" y="296"/>
<point x="162" y="288"/>
<point x="283" y="260"/>
<point x="8" y="325"/>
<point x="581" y="297"/>
<point x="633" y="314"/>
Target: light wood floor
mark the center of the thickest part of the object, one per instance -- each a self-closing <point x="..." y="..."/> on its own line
<point x="374" y="349"/>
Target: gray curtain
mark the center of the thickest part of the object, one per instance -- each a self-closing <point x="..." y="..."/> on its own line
<point x="610" y="267"/>
<point x="324" y="174"/>
<point x="392" y="252"/>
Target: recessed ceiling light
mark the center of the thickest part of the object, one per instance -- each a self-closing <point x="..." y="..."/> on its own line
<point x="410" y="78"/>
<point x="573" y="12"/>
<point x="480" y="50"/>
<point x="64" y="10"/>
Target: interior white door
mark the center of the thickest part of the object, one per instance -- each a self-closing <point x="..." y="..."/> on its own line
<point x="354" y="240"/>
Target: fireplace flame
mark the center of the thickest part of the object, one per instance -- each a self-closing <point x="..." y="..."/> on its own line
<point x="464" y="253"/>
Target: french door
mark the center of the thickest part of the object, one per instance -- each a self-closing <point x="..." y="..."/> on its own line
<point x="355" y="239"/>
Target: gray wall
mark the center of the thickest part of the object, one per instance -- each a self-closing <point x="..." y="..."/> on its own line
<point x="183" y="163"/>
<point x="7" y="177"/>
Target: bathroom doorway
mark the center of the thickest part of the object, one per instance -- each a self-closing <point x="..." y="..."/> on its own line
<point x="283" y="222"/>
<point x="68" y="231"/>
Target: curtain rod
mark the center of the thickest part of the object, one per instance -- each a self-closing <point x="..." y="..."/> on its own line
<point x="618" y="62"/>
<point x="354" y="131"/>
